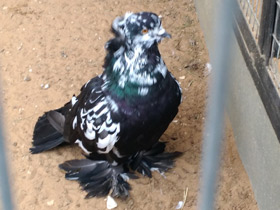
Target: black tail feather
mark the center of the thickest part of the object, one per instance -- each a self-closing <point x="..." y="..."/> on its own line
<point x="48" y="132"/>
<point x="154" y="159"/>
<point x="98" y="178"/>
<point x="57" y="120"/>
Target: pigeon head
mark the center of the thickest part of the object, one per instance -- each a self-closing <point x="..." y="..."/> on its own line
<point x="142" y="28"/>
<point x="133" y="66"/>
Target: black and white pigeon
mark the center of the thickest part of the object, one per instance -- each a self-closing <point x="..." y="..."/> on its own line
<point x="119" y="116"/>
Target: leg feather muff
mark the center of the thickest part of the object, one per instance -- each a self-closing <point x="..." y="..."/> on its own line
<point x="154" y="159"/>
<point x="98" y="178"/>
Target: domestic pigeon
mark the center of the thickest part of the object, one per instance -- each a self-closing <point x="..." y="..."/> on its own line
<point x="119" y="116"/>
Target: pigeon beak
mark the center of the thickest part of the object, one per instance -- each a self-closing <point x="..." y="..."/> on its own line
<point x="163" y="34"/>
<point x="166" y="35"/>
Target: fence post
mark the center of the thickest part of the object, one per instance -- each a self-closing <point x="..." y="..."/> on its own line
<point x="220" y="56"/>
<point x="266" y="28"/>
<point x="5" y="190"/>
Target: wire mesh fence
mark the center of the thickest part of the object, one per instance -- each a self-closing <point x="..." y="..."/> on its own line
<point x="252" y="11"/>
<point x="275" y="49"/>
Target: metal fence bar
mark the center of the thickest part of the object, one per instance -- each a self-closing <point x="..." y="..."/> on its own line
<point x="257" y="12"/>
<point x="5" y="190"/>
<point x="214" y="126"/>
<point x="253" y="14"/>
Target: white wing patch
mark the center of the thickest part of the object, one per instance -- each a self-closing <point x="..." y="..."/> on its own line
<point x="98" y="125"/>
<point x="74" y="124"/>
<point x="90" y="133"/>
<point x="112" y="130"/>
<point x="80" y="143"/>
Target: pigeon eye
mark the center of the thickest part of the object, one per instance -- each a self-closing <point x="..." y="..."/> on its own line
<point x="144" y="31"/>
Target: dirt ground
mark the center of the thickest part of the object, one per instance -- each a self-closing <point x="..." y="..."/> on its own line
<point x="50" y="48"/>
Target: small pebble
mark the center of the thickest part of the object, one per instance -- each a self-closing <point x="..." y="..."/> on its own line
<point x="192" y="42"/>
<point x="50" y="203"/>
<point x="27" y="78"/>
<point x="20" y="46"/>
<point x="20" y="110"/>
<point x="208" y="69"/>
<point x="111" y="203"/>
<point x="63" y="54"/>
<point x="46" y="86"/>
<point x="182" y="77"/>
<point x="180" y="205"/>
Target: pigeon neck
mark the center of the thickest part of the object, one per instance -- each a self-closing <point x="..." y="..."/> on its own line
<point x="134" y="71"/>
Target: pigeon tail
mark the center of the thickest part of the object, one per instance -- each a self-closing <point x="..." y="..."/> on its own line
<point x="48" y="132"/>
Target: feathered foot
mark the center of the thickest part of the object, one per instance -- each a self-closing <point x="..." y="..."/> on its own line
<point x="154" y="159"/>
<point x="98" y="178"/>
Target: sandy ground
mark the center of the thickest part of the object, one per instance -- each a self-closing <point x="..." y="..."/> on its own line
<point x="60" y="45"/>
